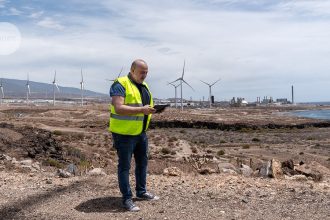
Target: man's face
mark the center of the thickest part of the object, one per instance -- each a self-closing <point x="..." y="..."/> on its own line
<point x="140" y="72"/>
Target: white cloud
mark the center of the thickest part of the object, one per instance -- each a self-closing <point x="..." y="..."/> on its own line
<point x="255" y="53"/>
<point x="36" y="14"/>
<point x="49" y="22"/>
<point x="306" y="7"/>
<point x="14" y="11"/>
<point x="2" y="3"/>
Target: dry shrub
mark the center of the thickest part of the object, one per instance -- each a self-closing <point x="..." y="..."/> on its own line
<point x="194" y="149"/>
<point x="220" y="152"/>
<point x="246" y="146"/>
<point x="165" y="150"/>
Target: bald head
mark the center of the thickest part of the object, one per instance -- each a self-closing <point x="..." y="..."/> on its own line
<point x="138" y="63"/>
<point x="139" y="70"/>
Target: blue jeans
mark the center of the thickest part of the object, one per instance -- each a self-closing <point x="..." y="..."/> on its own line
<point x="126" y="146"/>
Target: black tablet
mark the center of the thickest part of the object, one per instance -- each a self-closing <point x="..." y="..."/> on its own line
<point x="160" y="108"/>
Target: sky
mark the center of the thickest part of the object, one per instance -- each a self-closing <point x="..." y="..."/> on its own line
<point x="256" y="47"/>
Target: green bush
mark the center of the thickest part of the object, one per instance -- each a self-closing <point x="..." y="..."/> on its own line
<point x="57" y="132"/>
<point x="246" y="146"/>
<point x="83" y="164"/>
<point x="54" y="163"/>
<point x="220" y="152"/>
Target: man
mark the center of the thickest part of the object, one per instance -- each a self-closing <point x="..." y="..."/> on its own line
<point x="131" y="111"/>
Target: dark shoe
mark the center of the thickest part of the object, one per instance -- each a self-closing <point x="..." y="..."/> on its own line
<point x="130" y="206"/>
<point x="147" y="196"/>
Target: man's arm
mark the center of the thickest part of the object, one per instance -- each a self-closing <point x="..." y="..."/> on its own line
<point x="122" y="109"/>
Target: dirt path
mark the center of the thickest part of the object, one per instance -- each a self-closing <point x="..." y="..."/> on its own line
<point x="187" y="197"/>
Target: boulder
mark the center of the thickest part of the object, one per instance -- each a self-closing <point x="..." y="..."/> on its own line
<point x="230" y="171"/>
<point x="72" y="169"/>
<point x="5" y="157"/>
<point x="314" y="170"/>
<point x="226" y="166"/>
<point x="97" y="172"/>
<point x="63" y="173"/>
<point x="276" y="168"/>
<point x="36" y="166"/>
<point x="172" y="171"/>
<point x="245" y="170"/>
<point x="265" y="169"/>
<point x="298" y="177"/>
<point x="27" y="162"/>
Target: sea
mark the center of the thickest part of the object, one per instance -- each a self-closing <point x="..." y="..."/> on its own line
<point x="323" y="114"/>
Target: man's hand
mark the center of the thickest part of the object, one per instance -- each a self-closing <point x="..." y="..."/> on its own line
<point x="147" y="110"/>
<point x="123" y="109"/>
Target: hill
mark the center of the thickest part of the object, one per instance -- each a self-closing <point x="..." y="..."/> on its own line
<point x="14" y="88"/>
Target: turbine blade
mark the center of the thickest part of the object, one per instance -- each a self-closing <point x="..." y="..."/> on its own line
<point x="205" y="82"/>
<point x="3" y="95"/>
<point x="82" y="77"/>
<point x="188" y="84"/>
<point x="215" y="82"/>
<point x="54" y="77"/>
<point x="29" y="91"/>
<point x="58" y="89"/>
<point x="184" y="64"/>
<point x="176" y="80"/>
<point x="120" y="72"/>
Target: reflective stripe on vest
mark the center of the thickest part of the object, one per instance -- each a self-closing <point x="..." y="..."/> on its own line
<point x="127" y="117"/>
<point x="129" y="124"/>
<point x="135" y="105"/>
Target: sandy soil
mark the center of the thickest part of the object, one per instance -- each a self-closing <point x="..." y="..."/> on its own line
<point x="79" y="135"/>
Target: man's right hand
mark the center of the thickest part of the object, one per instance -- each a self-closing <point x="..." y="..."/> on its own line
<point x="147" y="110"/>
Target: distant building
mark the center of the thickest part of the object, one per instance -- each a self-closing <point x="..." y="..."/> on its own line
<point x="238" y="102"/>
<point x="267" y="100"/>
<point x="283" y="101"/>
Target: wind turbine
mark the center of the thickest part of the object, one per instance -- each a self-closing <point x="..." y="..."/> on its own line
<point x="181" y="82"/>
<point x="175" y="86"/>
<point x="2" y="93"/>
<point x="112" y="80"/>
<point x="82" y="88"/>
<point x="28" y="91"/>
<point x="210" y="89"/>
<point x="55" y="86"/>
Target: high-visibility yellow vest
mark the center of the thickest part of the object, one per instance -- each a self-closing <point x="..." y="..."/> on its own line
<point x="129" y="124"/>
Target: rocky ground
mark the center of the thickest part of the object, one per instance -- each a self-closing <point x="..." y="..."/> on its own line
<point x="238" y="163"/>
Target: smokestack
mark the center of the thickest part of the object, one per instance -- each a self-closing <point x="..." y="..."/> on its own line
<point x="292" y="95"/>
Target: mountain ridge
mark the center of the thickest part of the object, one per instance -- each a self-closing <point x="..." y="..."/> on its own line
<point x="16" y="88"/>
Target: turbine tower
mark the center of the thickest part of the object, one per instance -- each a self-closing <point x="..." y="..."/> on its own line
<point x="82" y="88"/>
<point x="54" y="88"/>
<point x="210" y="89"/>
<point x="112" y="80"/>
<point x="175" y="86"/>
<point x="28" y="91"/>
<point x="181" y="82"/>
<point x="2" y="93"/>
